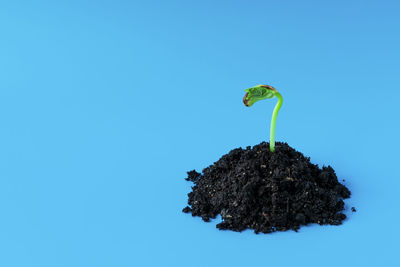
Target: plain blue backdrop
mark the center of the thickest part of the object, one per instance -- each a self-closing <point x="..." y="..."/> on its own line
<point x="104" y="106"/>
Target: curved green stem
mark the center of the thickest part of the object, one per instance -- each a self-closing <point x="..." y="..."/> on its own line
<point x="273" y="121"/>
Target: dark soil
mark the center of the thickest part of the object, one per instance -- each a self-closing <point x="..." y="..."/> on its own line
<point x="253" y="188"/>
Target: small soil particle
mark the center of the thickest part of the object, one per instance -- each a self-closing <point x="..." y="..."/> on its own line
<point x="255" y="189"/>
<point x="353" y="209"/>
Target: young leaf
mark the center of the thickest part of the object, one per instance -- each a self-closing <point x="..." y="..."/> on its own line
<point x="261" y="92"/>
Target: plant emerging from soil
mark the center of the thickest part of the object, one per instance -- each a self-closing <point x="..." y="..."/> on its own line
<point x="261" y="92"/>
<point x="266" y="190"/>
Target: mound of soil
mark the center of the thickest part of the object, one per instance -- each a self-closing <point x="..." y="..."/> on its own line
<point x="253" y="188"/>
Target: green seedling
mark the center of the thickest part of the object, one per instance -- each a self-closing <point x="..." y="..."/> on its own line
<point x="261" y="92"/>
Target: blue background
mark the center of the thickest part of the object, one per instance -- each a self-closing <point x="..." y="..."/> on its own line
<point x="104" y="106"/>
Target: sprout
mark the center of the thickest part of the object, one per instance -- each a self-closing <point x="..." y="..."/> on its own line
<point x="261" y="92"/>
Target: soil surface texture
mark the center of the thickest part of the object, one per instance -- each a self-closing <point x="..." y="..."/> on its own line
<point x="255" y="189"/>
